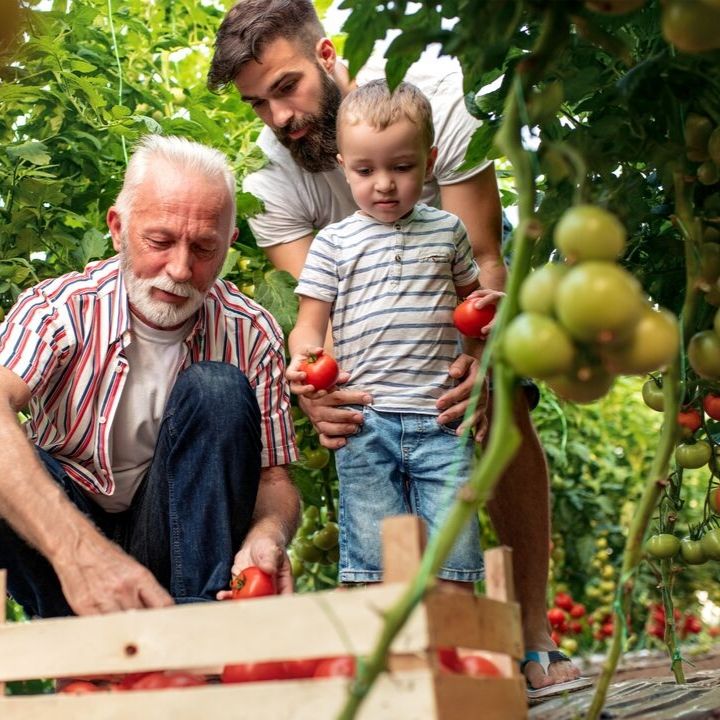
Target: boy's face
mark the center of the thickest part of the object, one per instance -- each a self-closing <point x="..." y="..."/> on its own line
<point x="386" y="169"/>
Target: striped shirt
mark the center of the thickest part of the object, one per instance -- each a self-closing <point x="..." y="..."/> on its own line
<point x="392" y="287"/>
<point x="65" y="338"/>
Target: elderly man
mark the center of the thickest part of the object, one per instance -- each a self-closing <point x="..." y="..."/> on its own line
<point x="276" y="54"/>
<point x="152" y="463"/>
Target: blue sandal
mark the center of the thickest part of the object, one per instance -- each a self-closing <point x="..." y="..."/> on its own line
<point x="545" y="659"/>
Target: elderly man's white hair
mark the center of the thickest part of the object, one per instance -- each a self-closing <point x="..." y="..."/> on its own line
<point x="179" y="152"/>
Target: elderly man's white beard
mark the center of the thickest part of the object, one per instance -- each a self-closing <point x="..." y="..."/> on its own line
<point x="157" y="312"/>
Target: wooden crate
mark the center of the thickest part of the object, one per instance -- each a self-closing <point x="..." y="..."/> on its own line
<point x="207" y="636"/>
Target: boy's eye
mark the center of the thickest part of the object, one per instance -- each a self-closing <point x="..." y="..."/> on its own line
<point x="363" y="171"/>
<point x="404" y="168"/>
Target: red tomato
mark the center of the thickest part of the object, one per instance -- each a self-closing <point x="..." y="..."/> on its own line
<point x="564" y="601"/>
<point x="556" y="617"/>
<point x="126" y="682"/>
<point x="342" y="666"/>
<point x="469" y="320"/>
<point x="577" y="610"/>
<point x="692" y="625"/>
<point x="168" y="679"/>
<point x="252" y="582"/>
<point x="657" y="631"/>
<point x="253" y="672"/>
<point x="321" y="371"/>
<point x="607" y="628"/>
<point x="690" y="419"/>
<point x="711" y="405"/>
<point x="79" y="687"/>
<point x="299" y="669"/>
<point x="449" y="659"/>
<point x="478" y="666"/>
<point x="576" y="627"/>
<point x="555" y="637"/>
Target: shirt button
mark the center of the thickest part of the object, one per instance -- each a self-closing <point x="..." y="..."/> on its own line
<point x="398" y="226"/>
<point x="119" y="369"/>
<point x="398" y="258"/>
<point x="102" y="419"/>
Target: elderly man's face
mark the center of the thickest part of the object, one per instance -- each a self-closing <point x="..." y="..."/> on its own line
<point x="173" y="245"/>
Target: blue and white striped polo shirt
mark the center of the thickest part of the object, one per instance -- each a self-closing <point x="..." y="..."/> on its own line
<point x="393" y="292"/>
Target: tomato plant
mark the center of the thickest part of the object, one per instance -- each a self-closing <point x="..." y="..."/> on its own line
<point x="711" y="406"/>
<point x="693" y="455"/>
<point x="321" y="371"/>
<point x="662" y="545"/>
<point x="690" y="419"/>
<point x="252" y="582"/>
<point x="471" y="321"/>
<point x="587" y="232"/>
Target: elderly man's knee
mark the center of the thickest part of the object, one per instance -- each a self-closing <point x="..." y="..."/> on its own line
<point x="214" y="384"/>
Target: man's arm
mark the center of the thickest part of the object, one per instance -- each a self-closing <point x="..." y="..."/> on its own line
<point x="95" y="574"/>
<point x="290" y="256"/>
<point x="275" y="520"/>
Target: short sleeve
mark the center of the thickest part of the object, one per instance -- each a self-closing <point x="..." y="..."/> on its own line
<point x="319" y="276"/>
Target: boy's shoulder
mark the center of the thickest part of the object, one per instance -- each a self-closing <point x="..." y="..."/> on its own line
<point x="428" y="213"/>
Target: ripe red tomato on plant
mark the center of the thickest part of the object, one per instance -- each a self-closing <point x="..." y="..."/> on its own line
<point x="168" y="679"/>
<point x="690" y="419"/>
<point x="576" y="627"/>
<point x="711" y="405"/>
<point x="564" y="601"/>
<point x="79" y="687"/>
<point x="470" y="320"/>
<point x="321" y="371"/>
<point x="252" y="582"/>
<point x="253" y="672"/>
<point x="479" y="666"/>
<point x="714" y="500"/>
<point x="342" y="666"/>
<point x="556" y="617"/>
<point x="692" y="625"/>
<point x="577" y="610"/>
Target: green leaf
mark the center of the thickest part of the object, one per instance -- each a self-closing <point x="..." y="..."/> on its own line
<point x="275" y="292"/>
<point x="120" y="111"/>
<point x="34" y="151"/>
<point x="479" y="148"/>
<point x="230" y="260"/>
<point x="93" y="245"/>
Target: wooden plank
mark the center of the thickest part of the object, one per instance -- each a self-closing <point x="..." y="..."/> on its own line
<point x="460" y="620"/>
<point x="499" y="584"/>
<point x="403" y="540"/>
<point x="407" y="696"/>
<point x="460" y="698"/>
<point x="207" y="634"/>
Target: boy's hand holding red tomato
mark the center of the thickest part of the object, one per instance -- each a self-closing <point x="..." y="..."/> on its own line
<point x="313" y="373"/>
<point x="475" y="316"/>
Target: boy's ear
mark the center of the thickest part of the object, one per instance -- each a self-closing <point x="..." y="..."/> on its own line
<point x="431" y="158"/>
<point x="326" y="54"/>
<point x="341" y="163"/>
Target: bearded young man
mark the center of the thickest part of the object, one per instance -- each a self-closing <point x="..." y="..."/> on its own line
<point x="152" y="463"/>
<point x="276" y="54"/>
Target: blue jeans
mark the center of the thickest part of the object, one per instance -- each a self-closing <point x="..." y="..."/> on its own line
<point x="402" y="463"/>
<point x="193" y="509"/>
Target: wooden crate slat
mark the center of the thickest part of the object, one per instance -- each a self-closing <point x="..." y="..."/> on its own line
<point x="405" y="696"/>
<point x="461" y="698"/>
<point x="207" y="634"/>
<point x="458" y="619"/>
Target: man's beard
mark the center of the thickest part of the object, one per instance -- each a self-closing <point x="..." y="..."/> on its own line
<point x="157" y="312"/>
<point x="317" y="150"/>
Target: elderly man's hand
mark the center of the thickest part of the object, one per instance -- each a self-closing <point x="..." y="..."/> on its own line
<point x="334" y="423"/>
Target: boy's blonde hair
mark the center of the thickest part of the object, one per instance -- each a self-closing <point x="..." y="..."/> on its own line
<point x="375" y="105"/>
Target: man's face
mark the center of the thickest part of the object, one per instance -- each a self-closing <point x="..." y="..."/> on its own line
<point x="173" y="245"/>
<point x="297" y="99"/>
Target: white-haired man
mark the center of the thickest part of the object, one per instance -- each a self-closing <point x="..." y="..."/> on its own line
<point x="152" y="464"/>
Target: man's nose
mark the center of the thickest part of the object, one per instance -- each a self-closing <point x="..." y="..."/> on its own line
<point x="179" y="266"/>
<point x="281" y="113"/>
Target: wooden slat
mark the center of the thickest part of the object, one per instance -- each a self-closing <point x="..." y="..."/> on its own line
<point x="461" y="698"/>
<point x="207" y="634"/>
<point x="457" y="619"/>
<point x="403" y="539"/>
<point x="407" y="696"/>
<point x="499" y="584"/>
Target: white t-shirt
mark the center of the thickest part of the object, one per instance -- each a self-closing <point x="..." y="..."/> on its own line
<point x="298" y="203"/>
<point x="154" y="360"/>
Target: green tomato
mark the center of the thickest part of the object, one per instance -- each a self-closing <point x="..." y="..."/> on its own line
<point x="537" y="293"/>
<point x="663" y="545"/>
<point x="327" y="537"/>
<point x="318" y="458"/>
<point x="692" y="551"/>
<point x="711" y="544"/>
<point x="652" y="394"/>
<point x="693" y="455"/>
<point x="587" y="232"/>
<point x="296" y="566"/>
<point x="306" y="551"/>
<point x="703" y="353"/>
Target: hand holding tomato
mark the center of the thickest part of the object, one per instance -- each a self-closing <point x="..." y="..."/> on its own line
<point x="312" y="373"/>
<point x="475" y="315"/>
<point x="252" y="582"/>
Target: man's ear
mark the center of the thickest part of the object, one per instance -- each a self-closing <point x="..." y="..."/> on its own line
<point x="430" y="164"/>
<point x="326" y="54"/>
<point x="115" y="226"/>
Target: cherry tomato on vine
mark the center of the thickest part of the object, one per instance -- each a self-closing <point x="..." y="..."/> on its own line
<point x="691" y="551"/>
<point x="690" y="419"/>
<point x="321" y="371"/>
<point x="652" y="394"/>
<point x="252" y="582"/>
<point x="711" y="405"/>
<point x="662" y="545"/>
<point x="318" y="458"/>
<point x="693" y="455"/>
<point x="588" y="232"/>
<point x="556" y="617"/>
<point x="470" y="320"/>
<point x="563" y="601"/>
<point x="577" y="610"/>
<point x="327" y="537"/>
<point x="711" y="544"/>
<point x="714" y="500"/>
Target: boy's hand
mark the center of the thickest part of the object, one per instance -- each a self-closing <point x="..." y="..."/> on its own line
<point x="297" y="377"/>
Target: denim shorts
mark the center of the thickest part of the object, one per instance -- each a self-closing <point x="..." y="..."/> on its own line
<point x="399" y="463"/>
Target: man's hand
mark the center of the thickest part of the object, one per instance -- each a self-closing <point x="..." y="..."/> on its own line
<point x="266" y="553"/>
<point x="333" y="423"/>
<point x="454" y="402"/>
<point x="104" y="579"/>
<point x="483" y="297"/>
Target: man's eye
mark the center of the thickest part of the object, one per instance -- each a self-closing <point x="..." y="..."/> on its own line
<point x="204" y="252"/>
<point x="288" y="88"/>
<point x="255" y="104"/>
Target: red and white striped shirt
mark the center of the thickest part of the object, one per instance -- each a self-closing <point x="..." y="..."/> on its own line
<point x="65" y="338"/>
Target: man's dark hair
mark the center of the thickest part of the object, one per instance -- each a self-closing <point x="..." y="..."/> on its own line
<point x="250" y="25"/>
